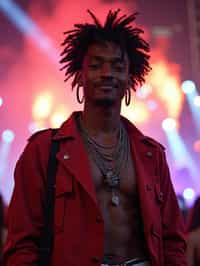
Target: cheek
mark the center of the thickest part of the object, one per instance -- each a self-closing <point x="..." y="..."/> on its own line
<point x="89" y="77"/>
<point x="123" y="83"/>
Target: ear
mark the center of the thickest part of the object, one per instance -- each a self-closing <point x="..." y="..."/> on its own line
<point x="79" y="79"/>
<point x="129" y="82"/>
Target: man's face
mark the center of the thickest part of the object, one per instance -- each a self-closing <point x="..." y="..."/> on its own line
<point x="105" y="74"/>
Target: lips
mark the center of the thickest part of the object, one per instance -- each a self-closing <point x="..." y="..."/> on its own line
<point x="106" y="87"/>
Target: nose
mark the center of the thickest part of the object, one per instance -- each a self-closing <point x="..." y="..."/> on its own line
<point x="106" y="70"/>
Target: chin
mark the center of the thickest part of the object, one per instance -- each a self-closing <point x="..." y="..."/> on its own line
<point x="104" y="102"/>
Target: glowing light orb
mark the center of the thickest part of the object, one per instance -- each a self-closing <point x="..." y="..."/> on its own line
<point x="169" y="124"/>
<point x="144" y="91"/>
<point x="42" y="106"/>
<point x="137" y="113"/>
<point x="164" y="79"/>
<point x="1" y="101"/>
<point x="188" y="193"/>
<point x="57" y="119"/>
<point x="188" y="86"/>
<point x="197" y="101"/>
<point x="8" y="136"/>
<point x="152" y="105"/>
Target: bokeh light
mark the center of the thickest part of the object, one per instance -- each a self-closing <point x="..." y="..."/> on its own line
<point x="8" y="136"/>
<point x="144" y="91"/>
<point x="165" y="81"/>
<point x="137" y="113"/>
<point x="188" y="86"/>
<point x="59" y="116"/>
<point x="188" y="193"/>
<point x="42" y="106"/>
<point x="197" y="101"/>
<point x="1" y="101"/>
<point x="169" y="124"/>
<point x="152" y="105"/>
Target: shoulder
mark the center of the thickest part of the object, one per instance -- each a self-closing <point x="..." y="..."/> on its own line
<point x="154" y="142"/>
<point x="38" y="143"/>
<point x="135" y="132"/>
<point x="40" y="135"/>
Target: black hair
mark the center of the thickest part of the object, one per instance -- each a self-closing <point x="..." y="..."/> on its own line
<point x="116" y="29"/>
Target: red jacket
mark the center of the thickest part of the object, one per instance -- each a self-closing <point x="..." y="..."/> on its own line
<point x="78" y="224"/>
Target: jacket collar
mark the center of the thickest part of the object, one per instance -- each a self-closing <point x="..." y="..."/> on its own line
<point x="69" y="130"/>
<point x="143" y="149"/>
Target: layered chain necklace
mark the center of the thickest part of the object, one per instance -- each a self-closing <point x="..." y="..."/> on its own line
<point x="109" y="159"/>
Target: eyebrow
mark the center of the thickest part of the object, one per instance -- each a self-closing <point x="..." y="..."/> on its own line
<point x="114" y="59"/>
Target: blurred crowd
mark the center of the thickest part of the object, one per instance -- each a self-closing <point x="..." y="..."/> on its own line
<point x="191" y="217"/>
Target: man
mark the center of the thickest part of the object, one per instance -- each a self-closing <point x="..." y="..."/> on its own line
<point x="114" y="201"/>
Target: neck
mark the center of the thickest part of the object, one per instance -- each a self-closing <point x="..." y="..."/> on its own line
<point x="101" y="120"/>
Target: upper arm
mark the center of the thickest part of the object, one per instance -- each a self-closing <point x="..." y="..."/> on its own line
<point x="172" y="221"/>
<point x="25" y="212"/>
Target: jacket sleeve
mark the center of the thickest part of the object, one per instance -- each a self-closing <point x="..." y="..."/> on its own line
<point x="25" y="213"/>
<point x="173" y="230"/>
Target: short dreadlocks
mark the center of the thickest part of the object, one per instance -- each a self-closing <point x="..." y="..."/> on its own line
<point x="115" y="29"/>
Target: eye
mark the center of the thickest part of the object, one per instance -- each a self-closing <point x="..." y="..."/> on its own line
<point x="118" y="67"/>
<point x="94" y="66"/>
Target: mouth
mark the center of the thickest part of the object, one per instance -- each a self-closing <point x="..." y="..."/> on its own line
<point x="106" y="88"/>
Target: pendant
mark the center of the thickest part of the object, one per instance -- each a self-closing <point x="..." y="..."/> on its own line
<point x="111" y="179"/>
<point x="109" y="174"/>
<point x="115" y="200"/>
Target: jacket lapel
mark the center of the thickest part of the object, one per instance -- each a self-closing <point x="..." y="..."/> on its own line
<point x="73" y="157"/>
<point x="144" y="159"/>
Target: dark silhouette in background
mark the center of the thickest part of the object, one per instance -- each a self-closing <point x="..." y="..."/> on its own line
<point x="193" y="228"/>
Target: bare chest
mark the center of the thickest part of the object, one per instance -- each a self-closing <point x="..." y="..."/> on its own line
<point x="127" y="178"/>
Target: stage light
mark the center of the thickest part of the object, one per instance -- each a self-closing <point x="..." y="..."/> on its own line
<point x="164" y="79"/>
<point x="169" y="124"/>
<point x="42" y="106"/>
<point x="188" y="86"/>
<point x="196" y="146"/>
<point x="137" y="113"/>
<point x="144" y="91"/>
<point x="152" y="105"/>
<point x="26" y="25"/>
<point x="188" y="194"/>
<point x="196" y="101"/>
<point x="1" y="101"/>
<point x="57" y="119"/>
<point x="8" y="136"/>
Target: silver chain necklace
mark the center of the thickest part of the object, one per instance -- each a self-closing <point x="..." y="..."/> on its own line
<point x="109" y="159"/>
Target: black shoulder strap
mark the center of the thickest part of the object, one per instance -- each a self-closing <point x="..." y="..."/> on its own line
<point x="46" y="240"/>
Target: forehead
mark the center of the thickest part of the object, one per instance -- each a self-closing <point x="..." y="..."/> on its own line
<point x="107" y="51"/>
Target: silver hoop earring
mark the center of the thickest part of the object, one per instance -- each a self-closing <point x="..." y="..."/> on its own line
<point x="78" y="96"/>
<point x="128" y="96"/>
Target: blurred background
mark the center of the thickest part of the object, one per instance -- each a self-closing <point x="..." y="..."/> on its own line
<point x="34" y="96"/>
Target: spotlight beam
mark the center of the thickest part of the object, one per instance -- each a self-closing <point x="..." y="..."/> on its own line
<point x="23" y="22"/>
<point x="181" y="155"/>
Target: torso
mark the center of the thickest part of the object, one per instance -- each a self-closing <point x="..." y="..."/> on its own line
<point x="124" y="236"/>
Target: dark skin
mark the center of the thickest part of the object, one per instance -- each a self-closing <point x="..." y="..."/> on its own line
<point x="105" y="78"/>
